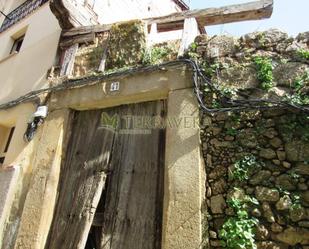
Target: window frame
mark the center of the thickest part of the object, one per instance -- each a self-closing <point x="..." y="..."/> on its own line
<point x="5" y="146"/>
<point x="17" y="44"/>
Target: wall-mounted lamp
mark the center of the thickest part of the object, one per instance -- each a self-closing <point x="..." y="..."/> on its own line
<point x="36" y="120"/>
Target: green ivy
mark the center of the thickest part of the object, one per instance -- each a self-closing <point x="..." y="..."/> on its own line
<point x="301" y="81"/>
<point x="231" y="131"/>
<point x="158" y="54"/>
<point x="228" y="92"/>
<point x="243" y="167"/>
<point x="296" y="204"/>
<point x="299" y="97"/>
<point x="294" y="127"/>
<point x="265" y="71"/>
<point x="192" y="53"/>
<point x="238" y="231"/>
<point x="303" y="54"/>
<point x="216" y="104"/>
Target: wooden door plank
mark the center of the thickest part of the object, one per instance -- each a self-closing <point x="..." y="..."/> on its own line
<point x="132" y="216"/>
<point x="82" y="180"/>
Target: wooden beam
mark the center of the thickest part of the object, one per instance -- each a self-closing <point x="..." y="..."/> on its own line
<point x="86" y="30"/>
<point x="212" y="16"/>
<point x="190" y="31"/>
<point x="67" y="64"/>
<point x="69" y="41"/>
<point x="70" y="16"/>
<point x="205" y="17"/>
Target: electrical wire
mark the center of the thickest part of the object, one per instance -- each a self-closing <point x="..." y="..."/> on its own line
<point x="6" y="16"/>
<point x="200" y="81"/>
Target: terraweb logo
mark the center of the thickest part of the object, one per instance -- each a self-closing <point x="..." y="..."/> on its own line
<point x="134" y="124"/>
<point x="109" y="122"/>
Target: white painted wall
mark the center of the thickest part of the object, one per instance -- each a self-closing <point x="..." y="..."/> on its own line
<point x="26" y="71"/>
<point x="110" y="11"/>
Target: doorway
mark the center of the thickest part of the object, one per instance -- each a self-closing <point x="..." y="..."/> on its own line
<point x="111" y="185"/>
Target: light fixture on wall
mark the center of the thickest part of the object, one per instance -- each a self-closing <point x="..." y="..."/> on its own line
<point x="36" y="120"/>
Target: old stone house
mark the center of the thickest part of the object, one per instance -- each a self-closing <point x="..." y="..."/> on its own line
<point x="133" y="152"/>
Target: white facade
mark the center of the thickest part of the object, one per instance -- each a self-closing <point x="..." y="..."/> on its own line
<point x="26" y="70"/>
<point x="111" y="11"/>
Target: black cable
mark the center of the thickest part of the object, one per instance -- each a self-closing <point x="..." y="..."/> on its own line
<point x="200" y="81"/>
<point x="236" y="105"/>
<point x="5" y="15"/>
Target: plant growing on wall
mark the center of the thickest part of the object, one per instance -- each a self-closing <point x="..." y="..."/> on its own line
<point x="299" y="97"/>
<point x="159" y="53"/>
<point x="294" y="127"/>
<point x="238" y="231"/>
<point x="243" y="167"/>
<point x="265" y="71"/>
<point x="303" y="54"/>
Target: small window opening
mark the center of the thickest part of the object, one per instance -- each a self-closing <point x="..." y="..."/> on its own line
<point x="17" y="44"/>
<point x="6" y="135"/>
<point x="9" y="140"/>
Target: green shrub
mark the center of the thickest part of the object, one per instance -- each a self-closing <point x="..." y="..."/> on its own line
<point x="265" y="72"/>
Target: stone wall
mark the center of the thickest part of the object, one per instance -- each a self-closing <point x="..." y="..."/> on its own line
<point x="258" y="159"/>
<point x="123" y="47"/>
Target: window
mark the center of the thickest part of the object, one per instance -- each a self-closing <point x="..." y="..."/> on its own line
<point x="6" y="135"/>
<point x="6" y="148"/>
<point x="17" y="44"/>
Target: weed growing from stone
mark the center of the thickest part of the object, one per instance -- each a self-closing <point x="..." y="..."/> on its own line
<point x="157" y="54"/>
<point x="231" y="131"/>
<point x="192" y="51"/>
<point x="299" y="97"/>
<point x="265" y="72"/>
<point x="295" y="201"/>
<point x="242" y="167"/>
<point x="295" y="126"/>
<point x="303" y="54"/>
<point x="216" y="104"/>
<point x="238" y="231"/>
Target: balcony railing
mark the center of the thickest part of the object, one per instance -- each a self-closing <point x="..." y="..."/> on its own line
<point x="21" y="12"/>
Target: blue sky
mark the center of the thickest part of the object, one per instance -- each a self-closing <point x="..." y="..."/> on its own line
<point x="291" y="16"/>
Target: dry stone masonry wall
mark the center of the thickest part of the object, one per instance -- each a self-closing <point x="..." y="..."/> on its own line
<point x="257" y="161"/>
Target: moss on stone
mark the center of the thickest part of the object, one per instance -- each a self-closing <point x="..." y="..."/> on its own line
<point x="126" y="45"/>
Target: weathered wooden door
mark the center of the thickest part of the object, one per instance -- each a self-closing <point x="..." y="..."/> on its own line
<point x="112" y="178"/>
